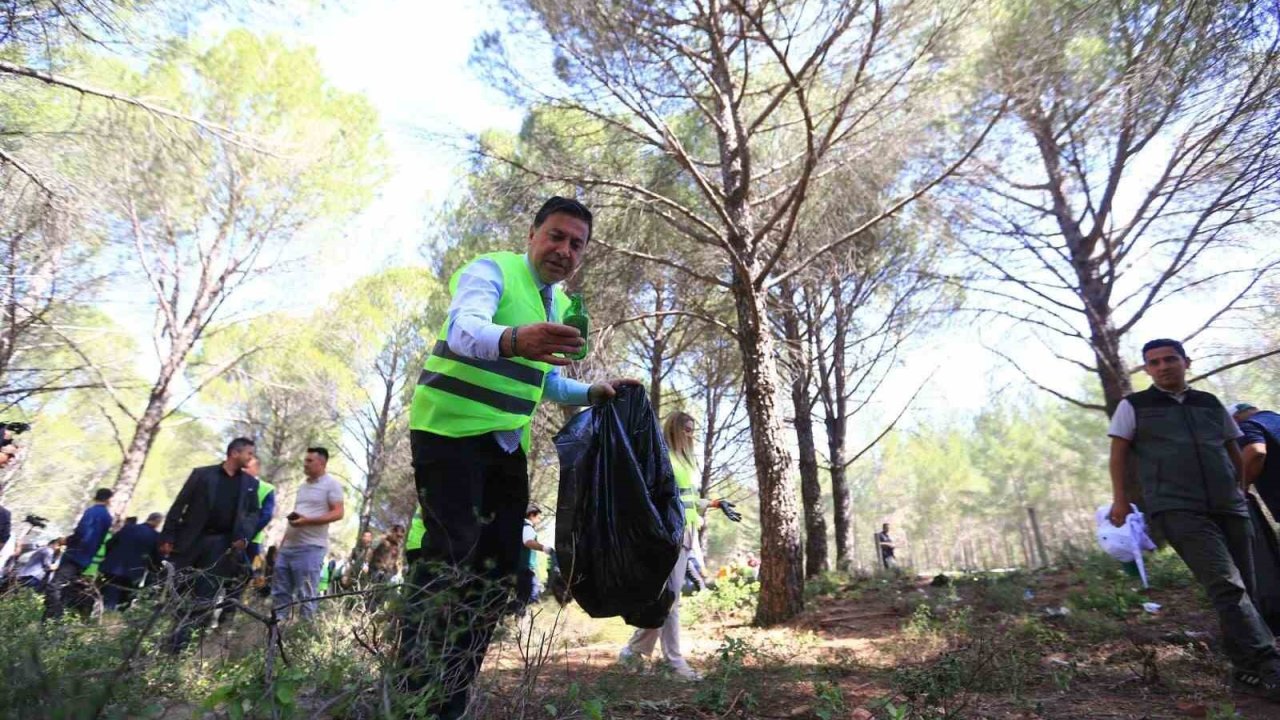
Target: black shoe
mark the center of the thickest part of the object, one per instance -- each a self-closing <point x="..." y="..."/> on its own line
<point x="1263" y="682"/>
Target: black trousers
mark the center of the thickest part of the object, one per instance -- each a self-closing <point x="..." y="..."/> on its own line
<point x="473" y="497"/>
<point x="202" y="571"/>
<point x="117" y="591"/>
<point x="1219" y="552"/>
<point x="67" y="571"/>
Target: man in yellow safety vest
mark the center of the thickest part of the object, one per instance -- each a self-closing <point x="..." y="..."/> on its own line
<point x="495" y="357"/>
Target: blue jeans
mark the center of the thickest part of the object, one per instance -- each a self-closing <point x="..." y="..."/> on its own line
<point x="296" y="576"/>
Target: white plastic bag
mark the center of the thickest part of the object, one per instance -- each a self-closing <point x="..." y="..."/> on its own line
<point x="1127" y="542"/>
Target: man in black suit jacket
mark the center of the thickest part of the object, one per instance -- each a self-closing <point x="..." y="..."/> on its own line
<point x="206" y="532"/>
<point x="131" y="553"/>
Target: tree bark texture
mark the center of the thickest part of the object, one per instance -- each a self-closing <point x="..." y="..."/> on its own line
<point x="781" y="563"/>
<point x="815" y="524"/>
<point x="135" y="454"/>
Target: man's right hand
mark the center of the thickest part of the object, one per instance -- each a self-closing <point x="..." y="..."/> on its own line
<point x="1119" y="511"/>
<point x="541" y="341"/>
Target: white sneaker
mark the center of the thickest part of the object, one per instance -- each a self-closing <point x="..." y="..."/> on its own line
<point x="630" y="661"/>
<point x="684" y="672"/>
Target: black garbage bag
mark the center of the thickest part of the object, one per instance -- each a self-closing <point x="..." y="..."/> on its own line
<point x="1266" y="566"/>
<point x="619" y="521"/>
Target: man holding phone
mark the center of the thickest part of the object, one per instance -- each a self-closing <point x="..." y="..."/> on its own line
<point x="306" y="541"/>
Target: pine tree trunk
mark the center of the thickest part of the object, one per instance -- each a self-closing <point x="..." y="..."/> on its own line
<point x="837" y="429"/>
<point x="135" y="455"/>
<point x="815" y="523"/>
<point x="781" y="554"/>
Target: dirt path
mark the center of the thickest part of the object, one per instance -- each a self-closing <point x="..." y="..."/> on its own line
<point x="973" y="652"/>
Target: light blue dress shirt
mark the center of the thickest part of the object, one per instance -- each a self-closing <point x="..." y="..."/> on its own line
<point x="472" y="333"/>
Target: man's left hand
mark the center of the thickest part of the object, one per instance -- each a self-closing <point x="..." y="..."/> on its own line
<point x="602" y="392"/>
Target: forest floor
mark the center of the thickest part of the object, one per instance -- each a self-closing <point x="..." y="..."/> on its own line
<point x="1071" y="642"/>
<point x="1068" y="643"/>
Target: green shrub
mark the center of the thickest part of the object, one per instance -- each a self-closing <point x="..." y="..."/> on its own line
<point x="829" y="584"/>
<point x="731" y="596"/>
<point x="829" y="701"/>
<point x="1002" y="593"/>
<point x="715" y="693"/>
<point x="1167" y="571"/>
<point x="1115" y="597"/>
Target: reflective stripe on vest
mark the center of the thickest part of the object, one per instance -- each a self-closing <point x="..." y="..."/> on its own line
<point x="98" y="556"/>
<point x="460" y="397"/>
<point x="688" y="493"/>
<point x="417" y="531"/>
<point x="264" y="489"/>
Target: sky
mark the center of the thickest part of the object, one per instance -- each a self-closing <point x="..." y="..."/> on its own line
<point x="410" y="58"/>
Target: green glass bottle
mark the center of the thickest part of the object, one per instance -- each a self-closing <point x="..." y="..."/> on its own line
<point x="577" y="317"/>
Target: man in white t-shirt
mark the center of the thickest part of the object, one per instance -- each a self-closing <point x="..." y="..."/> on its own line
<point x="306" y="541"/>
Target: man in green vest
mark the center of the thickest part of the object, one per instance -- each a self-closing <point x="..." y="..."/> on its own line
<point x="100" y="555"/>
<point x="326" y="573"/>
<point x="495" y="357"/>
<point x="1191" y="472"/>
<point x="266" y="505"/>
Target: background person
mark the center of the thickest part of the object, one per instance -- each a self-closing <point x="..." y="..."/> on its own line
<point x="266" y="507"/>
<point x="82" y="546"/>
<point x="384" y="561"/>
<point x="356" y="573"/>
<point x="306" y="541"/>
<point x="1260" y="451"/>
<point x="206" y="533"/>
<point x="886" y="546"/>
<point x="678" y="431"/>
<point x="131" y="554"/>
<point x="35" y="569"/>
<point x="529" y="585"/>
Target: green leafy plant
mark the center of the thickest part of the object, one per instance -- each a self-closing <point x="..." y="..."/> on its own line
<point x="1113" y="598"/>
<point x="731" y="596"/>
<point x="716" y="690"/>
<point x="828" y="701"/>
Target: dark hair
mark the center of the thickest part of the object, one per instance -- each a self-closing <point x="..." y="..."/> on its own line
<point x="568" y="206"/>
<point x="103" y="494"/>
<point x="1161" y="343"/>
<point x="397" y="528"/>
<point x="322" y="452"/>
<point x="239" y="444"/>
